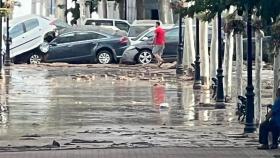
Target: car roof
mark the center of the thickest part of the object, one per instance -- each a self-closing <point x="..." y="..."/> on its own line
<point x="107" y="20"/>
<point x="99" y="29"/>
<point x="144" y="22"/>
<point x="24" y="18"/>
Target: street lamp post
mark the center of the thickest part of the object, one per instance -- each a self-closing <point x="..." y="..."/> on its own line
<point x="197" y="82"/>
<point x="1" y="39"/>
<point x="8" y="42"/>
<point x="220" y="88"/>
<point x="249" y="124"/>
<point x="179" y="68"/>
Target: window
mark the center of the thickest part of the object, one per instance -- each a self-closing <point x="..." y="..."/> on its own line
<point x="17" y="31"/>
<point x="122" y="25"/>
<point x="150" y="34"/>
<point x="99" y="22"/>
<point x="134" y="31"/>
<point x="31" y="24"/>
<point x="83" y="36"/>
<point x="172" y="34"/>
<point x="66" y="38"/>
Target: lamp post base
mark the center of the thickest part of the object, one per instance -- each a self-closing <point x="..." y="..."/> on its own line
<point x="180" y="70"/>
<point x="220" y="105"/>
<point x="197" y="84"/>
<point x="7" y="62"/>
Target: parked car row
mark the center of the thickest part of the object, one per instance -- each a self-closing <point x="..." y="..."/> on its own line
<point x="28" y="33"/>
<point x="37" y="39"/>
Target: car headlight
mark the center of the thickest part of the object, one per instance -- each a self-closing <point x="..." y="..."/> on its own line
<point x="44" y="47"/>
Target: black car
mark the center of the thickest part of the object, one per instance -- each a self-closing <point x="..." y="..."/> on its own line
<point x="87" y="45"/>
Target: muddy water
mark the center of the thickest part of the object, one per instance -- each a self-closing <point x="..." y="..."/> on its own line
<point x="47" y="103"/>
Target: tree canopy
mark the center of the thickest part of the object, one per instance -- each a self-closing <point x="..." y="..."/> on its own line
<point x="268" y="10"/>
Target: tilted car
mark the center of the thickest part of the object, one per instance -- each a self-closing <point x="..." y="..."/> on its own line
<point x="140" y="51"/>
<point x="87" y="45"/>
<point x="27" y="34"/>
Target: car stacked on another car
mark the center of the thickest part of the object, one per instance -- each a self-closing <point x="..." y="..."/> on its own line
<point x="87" y="44"/>
<point x="28" y="34"/>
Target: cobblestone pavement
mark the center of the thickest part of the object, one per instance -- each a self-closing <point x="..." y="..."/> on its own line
<point x="148" y="153"/>
<point x="112" y="106"/>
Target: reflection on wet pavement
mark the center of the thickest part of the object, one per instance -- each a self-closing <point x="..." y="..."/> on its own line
<point x="47" y="102"/>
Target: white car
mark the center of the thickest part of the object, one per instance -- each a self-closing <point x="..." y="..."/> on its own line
<point x="120" y="24"/>
<point x="28" y="34"/>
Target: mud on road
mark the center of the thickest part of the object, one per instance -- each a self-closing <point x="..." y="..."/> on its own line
<point x="112" y="106"/>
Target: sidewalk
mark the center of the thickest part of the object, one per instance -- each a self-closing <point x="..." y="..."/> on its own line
<point x="149" y="153"/>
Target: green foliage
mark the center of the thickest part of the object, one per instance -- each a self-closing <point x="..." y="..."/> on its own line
<point x="237" y="26"/>
<point x="4" y="12"/>
<point x="276" y="35"/>
<point x="267" y="9"/>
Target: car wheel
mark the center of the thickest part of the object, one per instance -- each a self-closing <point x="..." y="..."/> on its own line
<point x="35" y="58"/>
<point x="145" y="57"/>
<point x="104" y="57"/>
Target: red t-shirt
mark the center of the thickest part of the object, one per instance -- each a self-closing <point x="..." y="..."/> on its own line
<point x="159" y="36"/>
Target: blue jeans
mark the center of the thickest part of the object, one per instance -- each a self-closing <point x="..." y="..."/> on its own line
<point x="265" y="128"/>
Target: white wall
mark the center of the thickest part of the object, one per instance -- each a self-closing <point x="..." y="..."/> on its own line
<point x="25" y="8"/>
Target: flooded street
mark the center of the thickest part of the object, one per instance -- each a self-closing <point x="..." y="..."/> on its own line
<point x="80" y="107"/>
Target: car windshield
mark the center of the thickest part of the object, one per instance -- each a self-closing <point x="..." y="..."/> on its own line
<point x="134" y="31"/>
<point x="141" y="34"/>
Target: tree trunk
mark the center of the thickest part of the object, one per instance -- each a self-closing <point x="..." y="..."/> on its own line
<point x="189" y="50"/>
<point x="83" y="15"/>
<point x="104" y="8"/>
<point x="228" y="63"/>
<point x="276" y="69"/>
<point x="140" y="9"/>
<point x="258" y="59"/>
<point x="214" y="49"/>
<point x="122" y="9"/>
<point x="165" y="12"/>
<point x="239" y="65"/>
<point x="61" y="9"/>
<point x="203" y="38"/>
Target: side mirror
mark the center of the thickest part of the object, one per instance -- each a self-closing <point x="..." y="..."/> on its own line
<point x="145" y="39"/>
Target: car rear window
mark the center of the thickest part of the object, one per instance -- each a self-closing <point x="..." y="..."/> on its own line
<point x="99" y="22"/>
<point x="31" y="24"/>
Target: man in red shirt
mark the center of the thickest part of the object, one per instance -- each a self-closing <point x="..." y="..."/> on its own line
<point x="159" y="43"/>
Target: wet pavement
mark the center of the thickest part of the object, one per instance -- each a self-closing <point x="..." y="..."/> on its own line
<point x="112" y="106"/>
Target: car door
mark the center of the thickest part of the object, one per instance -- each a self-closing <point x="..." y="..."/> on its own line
<point x="60" y="48"/>
<point x="17" y="33"/>
<point x="82" y="48"/>
<point x="33" y="33"/>
<point x="171" y="45"/>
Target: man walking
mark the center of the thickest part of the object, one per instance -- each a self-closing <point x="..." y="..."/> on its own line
<point x="159" y="43"/>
